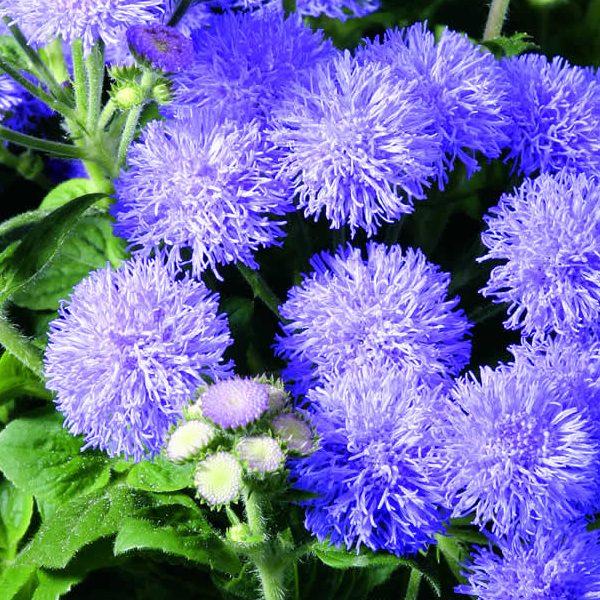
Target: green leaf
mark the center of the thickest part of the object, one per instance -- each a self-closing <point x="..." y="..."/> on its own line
<point x="453" y="552"/>
<point x="514" y="45"/>
<point x="16" y="380"/>
<point x="195" y="541"/>
<point x="76" y="524"/>
<point x="16" y="509"/>
<point x="87" y="247"/>
<point x="14" y="578"/>
<point x="160" y="476"/>
<point x="339" y="558"/>
<point x="66" y="191"/>
<point x="23" y="262"/>
<point x="52" y="585"/>
<point x="42" y="458"/>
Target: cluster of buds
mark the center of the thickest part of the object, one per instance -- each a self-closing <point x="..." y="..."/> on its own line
<point x="240" y="433"/>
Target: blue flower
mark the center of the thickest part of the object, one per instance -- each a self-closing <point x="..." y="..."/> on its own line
<point x="521" y="453"/>
<point x="203" y="184"/>
<point x="128" y="352"/>
<point x="555" y="115"/>
<point x="547" y="235"/>
<point x="457" y="82"/>
<point x="376" y="470"/>
<point x="162" y="46"/>
<point x="360" y="144"/>
<point x="560" y="565"/>
<point x="391" y="307"/>
<point x="336" y="9"/>
<point x="245" y="62"/>
<point x="11" y="94"/>
<point x="88" y="20"/>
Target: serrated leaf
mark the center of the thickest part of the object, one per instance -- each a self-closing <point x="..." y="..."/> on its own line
<point x="510" y="46"/>
<point x="160" y="476"/>
<point x="66" y="191"/>
<point x="52" y="585"/>
<point x="42" y="458"/>
<point x="16" y="510"/>
<point x="21" y="264"/>
<point x="87" y="247"/>
<point x="195" y="541"/>
<point x="75" y="524"/>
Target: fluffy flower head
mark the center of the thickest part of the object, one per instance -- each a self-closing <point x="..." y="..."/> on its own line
<point x="562" y="565"/>
<point x="456" y="81"/>
<point x="162" y="46"/>
<point x="203" y="184"/>
<point x="234" y="402"/>
<point x="245" y="63"/>
<point x="554" y="110"/>
<point x="547" y="231"/>
<point x="88" y="20"/>
<point x="360" y="144"/>
<point x="520" y="454"/>
<point x="375" y="469"/>
<point x="391" y="307"/>
<point x="336" y="9"/>
<point x="127" y="353"/>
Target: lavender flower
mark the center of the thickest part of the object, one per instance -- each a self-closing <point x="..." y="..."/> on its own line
<point x="245" y="63"/>
<point x="547" y="232"/>
<point x="559" y="565"/>
<point x="458" y="83"/>
<point x="163" y="47"/>
<point x="128" y="352"/>
<point x="361" y="145"/>
<point x="203" y="184"/>
<point x="555" y="113"/>
<point x="375" y="471"/>
<point x="11" y="93"/>
<point x="520" y="453"/>
<point x="336" y="9"/>
<point x="88" y="20"/>
<point x="391" y="307"/>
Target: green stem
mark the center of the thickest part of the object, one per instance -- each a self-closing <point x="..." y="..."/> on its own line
<point x="95" y="79"/>
<point x="107" y="114"/>
<point x="128" y="134"/>
<point x="20" y="347"/>
<point x="29" y="141"/>
<point x="79" y="79"/>
<point x="495" y="19"/>
<point x="40" y="66"/>
<point x="15" y="162"/>
<point x="261" y="289"/>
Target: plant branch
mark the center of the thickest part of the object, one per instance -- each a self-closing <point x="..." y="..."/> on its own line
<point x="29" y="141"/>
<point x="20" y="347"/>
<point x="495" y="19"/>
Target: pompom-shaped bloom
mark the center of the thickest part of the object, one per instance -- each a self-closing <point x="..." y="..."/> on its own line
<point x="360" y="144"/>
<point x="391" y="307"/>
<point x="562" y="565"/>
<point x="376" y="471"/>
<point x="234" y="402"/>
<point x="548" y="232"/>
<point x="245" y="63"/>
<point x="555" y="114"/>
<point x="519" y="453"/>
<point x="336" y="9"/>
<point x="294" y="432"/>
<point x="127" y="353"/>
<point x="188" y="439"/>
<point x="203" y="184"/>
<point x="260" y="453"/>
<point x="218" y="478"/>
<point x="162" y="46"/>
<point x="457" y="82"/>
<point x="88" y="20"/>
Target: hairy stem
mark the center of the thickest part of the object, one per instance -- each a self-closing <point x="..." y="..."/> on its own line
<point x="29" y="141"/>
<point x="95" y="79"/>
<point x="20" y="347"/>
<point x="495" y="19"/>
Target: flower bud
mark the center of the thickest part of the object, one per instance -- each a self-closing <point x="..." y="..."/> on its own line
<point x="218" y="478"/>
<point x="188" y="439"/>
<point x="295" y="432"/>
<point x="260" y="453"/>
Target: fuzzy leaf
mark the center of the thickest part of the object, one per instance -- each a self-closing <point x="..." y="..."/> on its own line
<point x="160" y="476"/>
<point x="16" y="509"/>
<point x="514" y="45"/>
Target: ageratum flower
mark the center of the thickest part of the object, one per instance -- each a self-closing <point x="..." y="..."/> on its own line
<point x="336" y="9"/>
<point x="555" y="115"/>
<point x="11" y="94"/>
<point x="203" y="184"/>
<point x="375" y="471"/>
<point x="360" y="144"/>
<point x="391" y="307"/>
<point x="458" y="83"/>
<point x="559" y="565"/>
<point x="546" y="234"/>
<point x="88" y="20"/>
<point x="162" y="46"/>
<point x="520" y="453"/>
<point x="127" y="353"/>
<point x="245" y="63"/>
